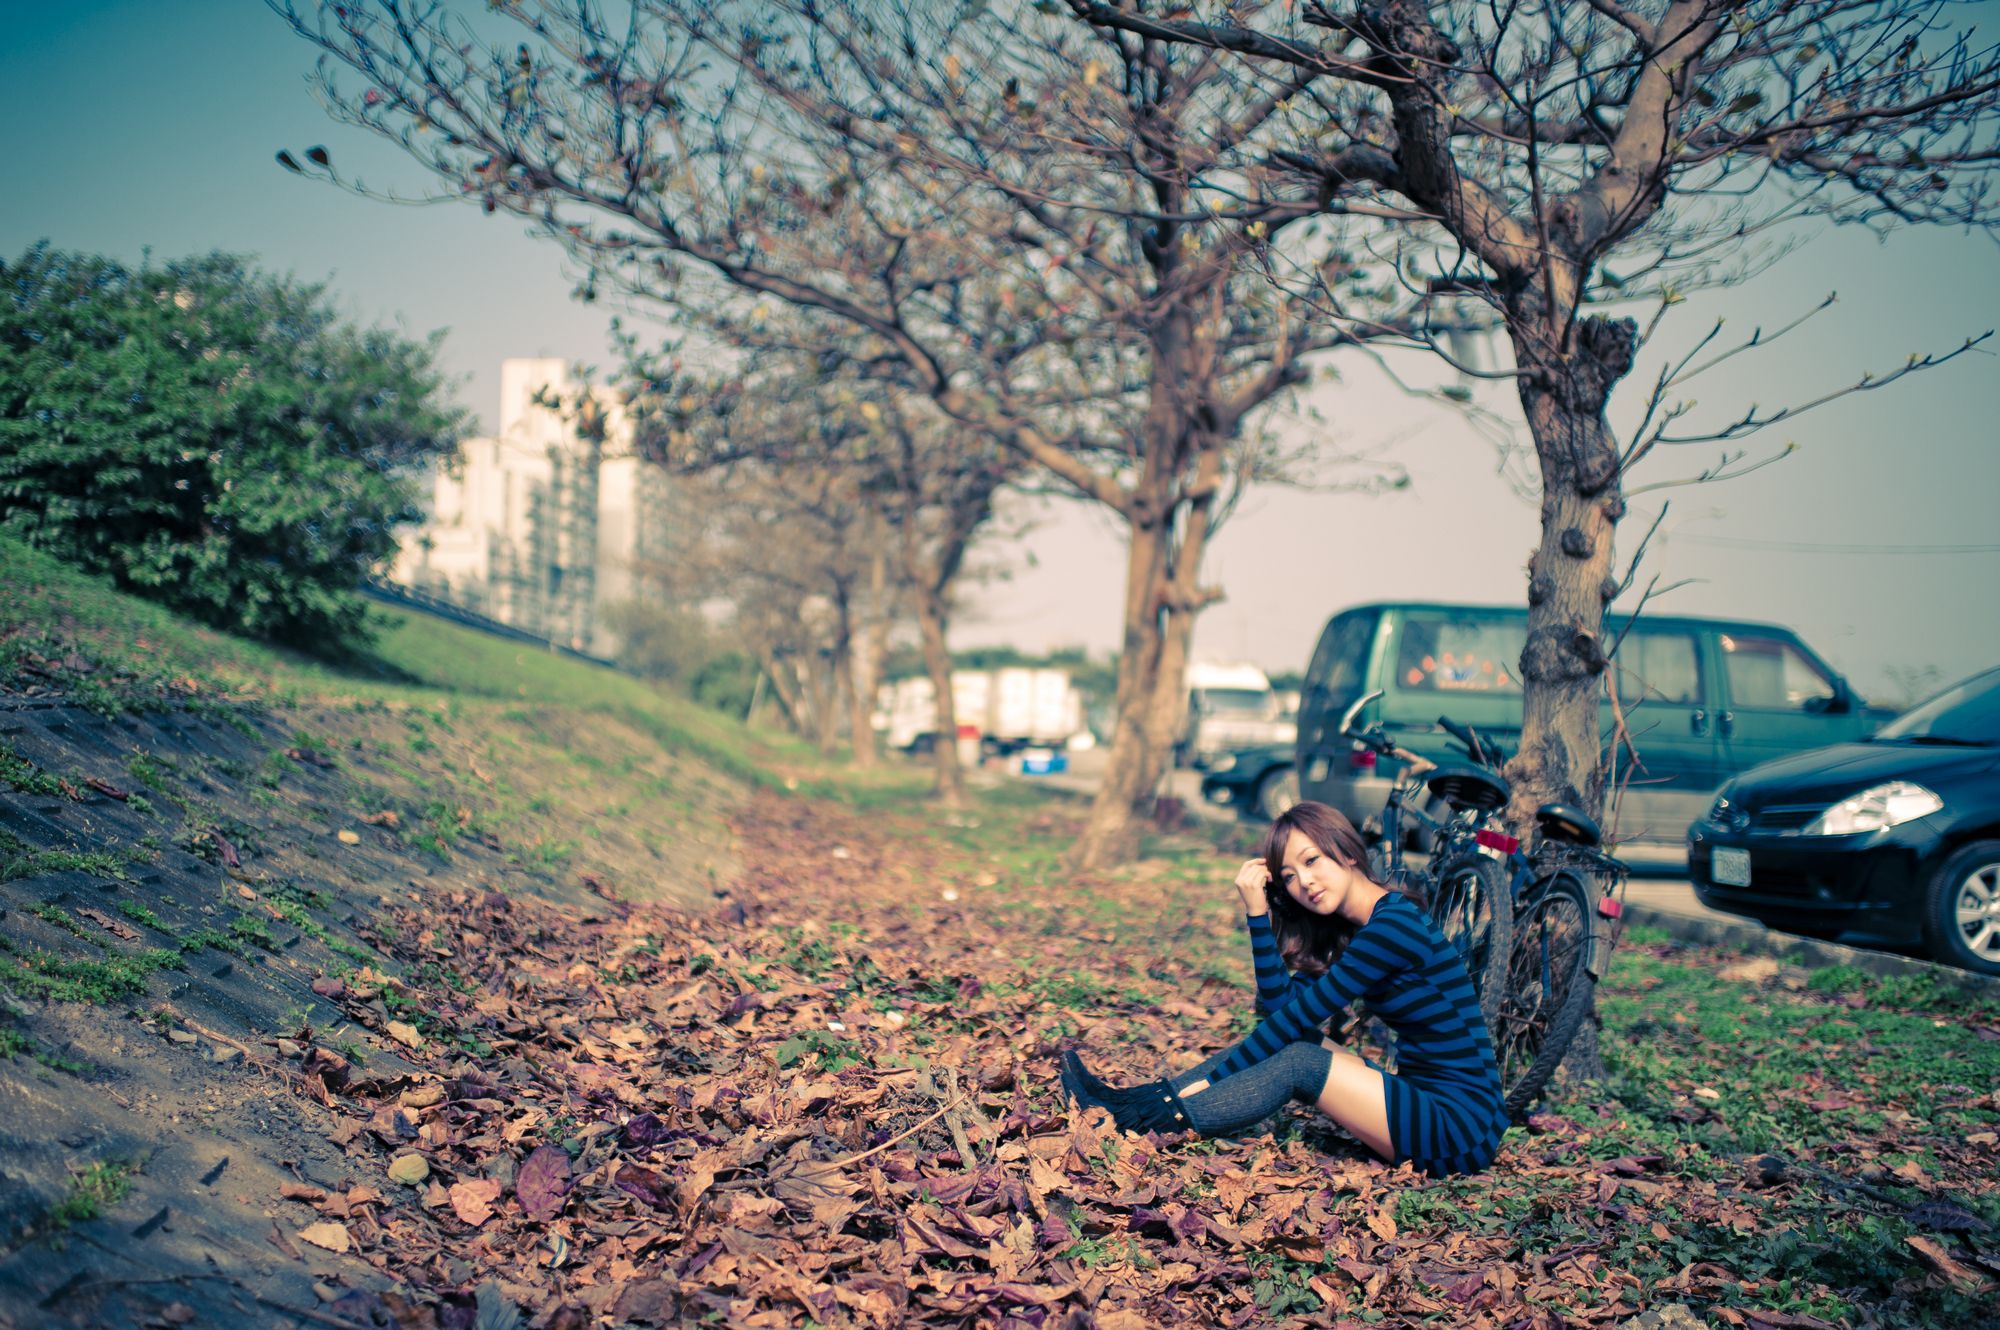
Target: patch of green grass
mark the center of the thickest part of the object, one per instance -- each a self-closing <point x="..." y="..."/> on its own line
<point x="440" y="828"/>
<point x="51" y="913"/>
<point x="93" y="1191"/>
<point x="12" y="1043"/>
<point x="209" y="936"/>
<point x="828" y="1050"/>
<point x="276" y="770"/>
<point x="151" y="771"/>
<point x="34" y="863"/>
<point x="121" y="975"/>
<point x="360" y="955"/>
<point x="25" y="776"/>
<point x="296" y="914"/>
<point x="255" y="930"/>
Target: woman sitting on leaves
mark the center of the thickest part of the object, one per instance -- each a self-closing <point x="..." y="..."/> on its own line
<point x="1324" y="935"/>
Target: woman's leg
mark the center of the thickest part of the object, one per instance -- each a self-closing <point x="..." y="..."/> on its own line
<point x="1221" y="1108"/>
<point x="1356" y="1096"/>
<point x="1198" y="1072"/>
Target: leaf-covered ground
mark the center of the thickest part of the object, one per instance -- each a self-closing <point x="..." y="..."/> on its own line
<point x="834" y="1104"/>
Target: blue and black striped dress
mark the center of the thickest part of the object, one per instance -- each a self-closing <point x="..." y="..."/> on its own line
<point x="1445" y="1111"/>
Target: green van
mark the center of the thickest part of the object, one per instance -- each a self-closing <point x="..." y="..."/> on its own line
<point x="1703" y="698"/>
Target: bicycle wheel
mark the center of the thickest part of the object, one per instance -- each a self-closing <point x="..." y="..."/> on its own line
<point x="1474" y="911"/>
<point x="1548" y="987"/>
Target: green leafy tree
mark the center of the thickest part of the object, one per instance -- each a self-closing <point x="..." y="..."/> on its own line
<point x="213" y="437"/>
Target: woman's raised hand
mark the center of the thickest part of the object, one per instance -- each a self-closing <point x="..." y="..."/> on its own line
<point x="1251" y="879"/>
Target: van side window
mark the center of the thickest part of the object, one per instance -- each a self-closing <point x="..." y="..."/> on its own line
<point x="1658" y="667"/>
<point x="1460" y="656"/>
<point x="1771" y="673"/>
<point x="1341" y="657"/>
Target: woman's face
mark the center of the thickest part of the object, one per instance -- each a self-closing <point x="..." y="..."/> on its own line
<point x="1317" y="879"/>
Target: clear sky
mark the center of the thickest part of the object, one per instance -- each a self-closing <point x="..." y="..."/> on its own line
<point x="126" y="124"/>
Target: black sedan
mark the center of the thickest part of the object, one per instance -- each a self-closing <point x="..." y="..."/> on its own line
<point x="1259" y="781"/>
<point x="1897" y="837"/>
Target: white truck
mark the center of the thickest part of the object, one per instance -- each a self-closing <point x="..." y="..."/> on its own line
<point x="1012" y="708"/>
<point x="1229" y="707"/>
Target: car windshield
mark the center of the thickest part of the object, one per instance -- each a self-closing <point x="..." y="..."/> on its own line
<point x="1235" y="699"/>
<point x="1967" y="713"/>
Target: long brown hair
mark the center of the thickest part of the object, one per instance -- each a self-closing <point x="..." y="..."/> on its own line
<point x="1310" y="942"/>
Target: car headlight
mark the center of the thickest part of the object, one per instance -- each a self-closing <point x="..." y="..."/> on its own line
<point x="1718" y="812"/>
<point x="1873" y="809"/>
<point x="1221" y="763"/>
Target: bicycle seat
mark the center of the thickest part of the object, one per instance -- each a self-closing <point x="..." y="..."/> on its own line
<point x="1468" y="787"/>
<point x="1569" y="824"/>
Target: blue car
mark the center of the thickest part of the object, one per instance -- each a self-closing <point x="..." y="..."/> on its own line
<point x="1896" y="836"/>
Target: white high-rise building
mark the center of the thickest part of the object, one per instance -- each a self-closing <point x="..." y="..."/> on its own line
<point x="546" y="523"/>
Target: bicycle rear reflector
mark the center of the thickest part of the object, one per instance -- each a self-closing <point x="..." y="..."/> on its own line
<point x="1497" y="840"/>
<point x="1610" y="909"/>
<point x="1362" y="759"/>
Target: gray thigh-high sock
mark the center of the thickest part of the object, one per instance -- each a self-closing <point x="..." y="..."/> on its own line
<point x="1199" y="1071"/>
<point x="1297" y="1071"/>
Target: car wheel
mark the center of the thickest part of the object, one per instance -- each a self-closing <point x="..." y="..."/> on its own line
<point x="1962" y="914"/>
<point x="1277" y="792"/>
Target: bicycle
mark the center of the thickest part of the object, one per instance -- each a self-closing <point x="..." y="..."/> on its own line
<point x="1563" y="932"/>
<point x="1464" y="894"/>
<point x="1556" y="940"/>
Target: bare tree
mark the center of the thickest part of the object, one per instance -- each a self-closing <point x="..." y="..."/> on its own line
<point x="1055" y="234"/>
<point x="790" y="551"/>
<point x="930" y="481"/>
<point x="1555" y="161"/>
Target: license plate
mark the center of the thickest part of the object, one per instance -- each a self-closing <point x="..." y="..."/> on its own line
<point x="1730" y="868"/>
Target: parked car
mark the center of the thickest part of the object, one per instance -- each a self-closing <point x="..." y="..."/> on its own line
<point x="1704" y="699"/>
<point x="1897" y="836"/>
<point x="1228" y="707"/>
<point x="1259" y="781"/>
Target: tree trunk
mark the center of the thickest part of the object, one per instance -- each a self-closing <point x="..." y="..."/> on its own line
<point x="785" y="695"/>
<point x="1571" y="580"/>
<point x="1571" y="577"/>
<point x="819" y="692"/>
<point x="931" y="623"/>
<point x="849" y="683"/>
<point x="1168" y="513"/>
<point x="1148" y="706"/>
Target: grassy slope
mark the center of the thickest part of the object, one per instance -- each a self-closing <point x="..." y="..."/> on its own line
<point x="570" y="764"/>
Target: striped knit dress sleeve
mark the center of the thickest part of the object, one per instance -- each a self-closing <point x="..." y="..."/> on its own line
<point x="1391" y="943"/>
<point x="1276" y="985"/>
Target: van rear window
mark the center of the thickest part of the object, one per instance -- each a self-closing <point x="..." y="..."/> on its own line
<point x="1460" y="656"/>
<point x="1341" y="658"/>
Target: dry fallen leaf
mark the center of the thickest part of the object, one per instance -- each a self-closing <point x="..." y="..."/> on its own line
<point x="543" y="1182"/>
<point x="473" y="1201"/>
<point x="329" y="1235"/>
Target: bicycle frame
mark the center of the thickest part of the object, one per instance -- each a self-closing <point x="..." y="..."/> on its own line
<point x="1528" y="874"/>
